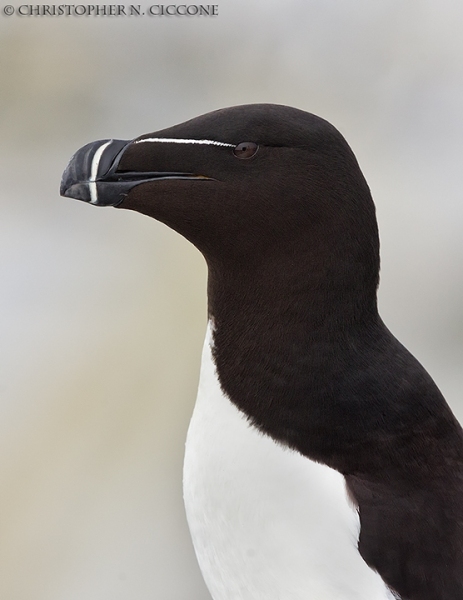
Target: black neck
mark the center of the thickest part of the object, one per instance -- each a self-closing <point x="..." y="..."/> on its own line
<point x="283" y="334"/>
<point x="311" y="364"/>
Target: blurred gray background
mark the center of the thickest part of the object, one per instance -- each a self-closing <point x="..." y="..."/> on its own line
<point x="103" y="311"/>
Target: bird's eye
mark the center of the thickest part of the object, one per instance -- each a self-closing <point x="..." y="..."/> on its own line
<point x="245" y="150"/>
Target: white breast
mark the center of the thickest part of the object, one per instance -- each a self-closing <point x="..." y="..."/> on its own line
<point x="266" y="522"/>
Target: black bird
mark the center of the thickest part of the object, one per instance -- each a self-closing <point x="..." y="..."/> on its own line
<point x="322" y="462"/>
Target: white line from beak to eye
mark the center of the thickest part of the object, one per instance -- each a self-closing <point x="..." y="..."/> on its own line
<point x="184" y="141"/>
<point x="94" y="172"/>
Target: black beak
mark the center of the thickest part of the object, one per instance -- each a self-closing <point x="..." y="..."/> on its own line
<point x="92" y="174"/>
<point x="92" y="169"/>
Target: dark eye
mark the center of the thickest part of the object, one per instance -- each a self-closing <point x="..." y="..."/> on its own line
<point x="245" y="150"/>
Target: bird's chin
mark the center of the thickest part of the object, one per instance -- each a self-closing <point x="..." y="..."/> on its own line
<point x="92" y="174"/>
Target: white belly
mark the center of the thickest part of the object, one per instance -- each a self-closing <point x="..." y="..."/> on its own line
<point x="266" y="522"/>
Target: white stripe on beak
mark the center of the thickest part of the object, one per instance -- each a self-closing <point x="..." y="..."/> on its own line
<point x="94" y="172"/>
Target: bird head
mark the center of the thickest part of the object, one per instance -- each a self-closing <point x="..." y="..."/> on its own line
<point x="247" y="185"/>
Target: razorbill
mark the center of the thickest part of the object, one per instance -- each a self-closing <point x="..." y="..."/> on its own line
<point x="322" y="462"/>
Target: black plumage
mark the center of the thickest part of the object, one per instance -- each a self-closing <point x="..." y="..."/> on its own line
<point x="288" y="229"/>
